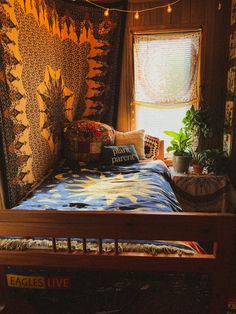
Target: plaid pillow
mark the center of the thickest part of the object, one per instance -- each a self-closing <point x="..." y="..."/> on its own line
<point x="151" y="146"/>
<point x="84" y="140"/>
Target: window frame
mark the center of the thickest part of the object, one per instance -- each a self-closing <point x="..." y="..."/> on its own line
<point x="157" y="29"/>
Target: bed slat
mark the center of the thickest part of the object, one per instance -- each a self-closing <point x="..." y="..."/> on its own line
<point x="54" y="244"/>
<point x="84" y="246"/>
<point x="100" y="246"/>
<point x="69" y="245"/>
<point x="116" y="246"/>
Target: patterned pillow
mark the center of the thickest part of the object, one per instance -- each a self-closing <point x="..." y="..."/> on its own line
<point x="119" y="155"/>
<point x="151" y="145"/>
<point x="135" y="138"/>
<point x="84" y="140"/>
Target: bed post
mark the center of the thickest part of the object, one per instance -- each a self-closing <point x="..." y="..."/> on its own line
<point x="221" y="276"/>
<point x="3" y="290"/>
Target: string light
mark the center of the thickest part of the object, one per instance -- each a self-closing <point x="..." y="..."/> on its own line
<point x="136" y="15"/>
<point x="106" y="12"/>
<point x="169" y="9"/>
<point x="135" y="12"/>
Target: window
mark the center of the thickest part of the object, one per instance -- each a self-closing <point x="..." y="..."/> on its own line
<point x="166" y="80"/>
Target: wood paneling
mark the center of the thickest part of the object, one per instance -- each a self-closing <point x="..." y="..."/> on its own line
<point x="182" y="13"/>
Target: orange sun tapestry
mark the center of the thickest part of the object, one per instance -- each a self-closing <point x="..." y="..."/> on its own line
<point x="59" y="62"/>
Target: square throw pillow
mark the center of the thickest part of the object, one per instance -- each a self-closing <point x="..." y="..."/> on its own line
<point x="135" y="138"/>
<point x="151" y="146"/>
<point x="119" y="155"/>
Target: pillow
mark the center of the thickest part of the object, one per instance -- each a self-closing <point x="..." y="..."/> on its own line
<point x="151" y="147"/>
<point x="119" y="155"/>
<point x="84" y="140"/>
<point x="133" y="137"/>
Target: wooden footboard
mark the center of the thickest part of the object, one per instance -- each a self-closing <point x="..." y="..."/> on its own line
<point x="218" y="229"/>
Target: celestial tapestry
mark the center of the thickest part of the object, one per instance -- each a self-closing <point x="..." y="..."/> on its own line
<point x="58" y="62"/>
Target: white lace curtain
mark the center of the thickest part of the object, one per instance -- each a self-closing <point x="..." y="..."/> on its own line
<point x="166" y="67"/>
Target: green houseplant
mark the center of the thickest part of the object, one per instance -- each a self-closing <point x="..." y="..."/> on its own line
<point x="180" y="145"/>
<point x="197" y="121"/>
<point x="196" y="124"/>
<point x="198" y="161"/>
<point x="217" y="161"/>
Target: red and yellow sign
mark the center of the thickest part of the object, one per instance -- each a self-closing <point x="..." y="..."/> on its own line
<point x="38" y="282"/>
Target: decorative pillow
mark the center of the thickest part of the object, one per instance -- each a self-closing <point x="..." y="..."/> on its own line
<point x="84" y="140"/>
<point x="119" y="155"/>
<point x="133" y="137"/>
<point x="151" y="146"/>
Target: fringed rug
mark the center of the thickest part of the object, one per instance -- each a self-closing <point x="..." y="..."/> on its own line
<point x="156" y="248"/>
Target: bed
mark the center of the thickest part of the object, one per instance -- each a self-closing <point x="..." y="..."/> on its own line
<point x="114" y="220"/>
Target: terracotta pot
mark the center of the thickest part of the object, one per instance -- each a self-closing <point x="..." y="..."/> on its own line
<point x="197" y="169"/>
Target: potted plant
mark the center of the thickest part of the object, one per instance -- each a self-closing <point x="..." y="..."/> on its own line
<point x="197" y="121"/>
<point x="180" y="145"/>
<point x="198" y="161"/>
<point x="217" y="161"/>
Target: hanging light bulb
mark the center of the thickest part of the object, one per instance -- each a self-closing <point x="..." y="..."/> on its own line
<point x="136" y="15"/>
<point x="169" y="9"/>
<point x="106" y="12"/>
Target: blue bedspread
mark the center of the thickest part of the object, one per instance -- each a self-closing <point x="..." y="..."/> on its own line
<point x="142" y="186"/>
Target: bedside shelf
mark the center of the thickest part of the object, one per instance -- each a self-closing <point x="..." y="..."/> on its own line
<point x="204" y="193"/>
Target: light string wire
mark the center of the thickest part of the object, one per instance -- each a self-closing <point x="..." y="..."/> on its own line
<point x="133" y="11"/>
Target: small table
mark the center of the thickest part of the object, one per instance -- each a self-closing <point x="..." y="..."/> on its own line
<point x="204" y="193"/>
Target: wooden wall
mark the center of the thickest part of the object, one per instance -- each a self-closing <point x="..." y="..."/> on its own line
<point x="213" y="17"/>
<point x="230" y="132"/>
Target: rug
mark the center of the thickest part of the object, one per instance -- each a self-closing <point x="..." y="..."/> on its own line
<point x="106" y="292"/>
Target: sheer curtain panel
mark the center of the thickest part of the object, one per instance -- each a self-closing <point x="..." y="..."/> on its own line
<point x="166" y="69"/>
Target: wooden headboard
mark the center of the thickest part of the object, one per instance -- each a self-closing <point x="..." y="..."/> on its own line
<point x="161" y="150"/>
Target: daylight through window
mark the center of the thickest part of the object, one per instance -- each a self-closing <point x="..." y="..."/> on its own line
<point x="166" y="79"/>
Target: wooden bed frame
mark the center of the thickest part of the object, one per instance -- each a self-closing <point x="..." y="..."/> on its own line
<point x="215" y="228"/>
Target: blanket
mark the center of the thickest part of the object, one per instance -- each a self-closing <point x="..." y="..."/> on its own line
<point x="143" y="186"/>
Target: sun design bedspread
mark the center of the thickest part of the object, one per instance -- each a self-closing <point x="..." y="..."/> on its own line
<point x="140" y="187"/>
<point x="143" y="186"/>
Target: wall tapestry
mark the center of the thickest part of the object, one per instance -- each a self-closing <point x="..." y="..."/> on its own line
<point x="58" y="63"/>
